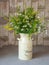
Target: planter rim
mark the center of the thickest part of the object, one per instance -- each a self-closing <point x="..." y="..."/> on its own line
<point x="24" y="33"/>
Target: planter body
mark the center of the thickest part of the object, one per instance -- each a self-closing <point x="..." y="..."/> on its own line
<point x="25" y="47"/>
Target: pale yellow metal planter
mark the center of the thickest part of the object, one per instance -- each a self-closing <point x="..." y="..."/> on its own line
<point x="25" y="47"/>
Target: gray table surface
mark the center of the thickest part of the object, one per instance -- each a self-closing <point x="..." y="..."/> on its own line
<point x="9" y="56"/>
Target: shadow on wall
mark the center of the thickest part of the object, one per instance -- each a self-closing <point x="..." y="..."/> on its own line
<point x="3" y="40"/>
<point x="3" y="21"/>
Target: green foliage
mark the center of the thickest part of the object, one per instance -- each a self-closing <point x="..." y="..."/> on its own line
<point x="25" y="22"/>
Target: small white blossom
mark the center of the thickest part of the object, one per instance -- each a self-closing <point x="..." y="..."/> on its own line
<point x="11" y="23"/>
<point x="25" y="26"/>
<point x="39" y="29"/>
<point x="16" y="27"/>
<point x="46" y="31"/>
<point x="22" y="29"/>
<point x="26" y="17"/>
<point x="19" y="14"/>
<point x="29" y="24"/>
<point x="38" y="17"/>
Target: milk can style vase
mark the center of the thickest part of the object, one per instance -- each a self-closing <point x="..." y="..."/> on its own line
<point x="25" y="47"/>
<point x="25" y="23"/>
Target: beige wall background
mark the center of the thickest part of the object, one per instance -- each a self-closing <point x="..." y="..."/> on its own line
<point x="8" y="7"/>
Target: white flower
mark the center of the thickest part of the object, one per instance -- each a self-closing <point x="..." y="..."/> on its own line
<point x="29" y="24"/>
<point x="39" y="29"/>
<point x="11" y="23"/>
<point x="25" y="26"/>
<point x="19" y="14"/>
<point x="22" y="29"/>
<point x="16" y="27"/>
<point x="38" y="17"/>
<point x="26" y="17"/>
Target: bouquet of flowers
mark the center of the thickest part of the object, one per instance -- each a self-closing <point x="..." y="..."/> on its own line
<point x="27" y="22"/>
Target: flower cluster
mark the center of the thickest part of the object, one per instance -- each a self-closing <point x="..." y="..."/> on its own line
<point x="25" y="22"/>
